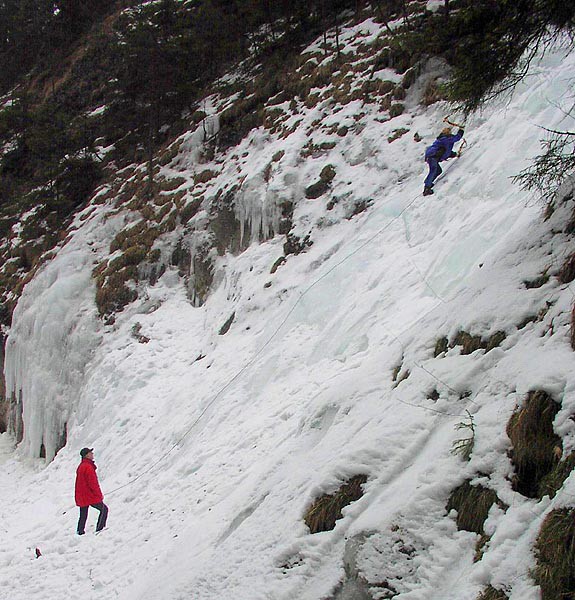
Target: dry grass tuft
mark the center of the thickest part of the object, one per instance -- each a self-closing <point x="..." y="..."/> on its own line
<point x="398" y="376"/>
<point x="553" y="482"/>
<point x="470" y="343"/>
<point x="112" y="293"/>
<point x="535" y="444"/>
<point x="441" y="346"/>
<point x="567" y="272"/>
<point x="204" y="176"/>
<point x="490" y="593"/>
<point x="472" y="503"/>
<point x="326" y="510"/>
<point x="555" y="554"/>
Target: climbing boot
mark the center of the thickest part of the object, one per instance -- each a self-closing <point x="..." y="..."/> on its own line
<point x="427" y="191"/>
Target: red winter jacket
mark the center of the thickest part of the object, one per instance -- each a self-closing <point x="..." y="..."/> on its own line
<point x="87" y="487"/>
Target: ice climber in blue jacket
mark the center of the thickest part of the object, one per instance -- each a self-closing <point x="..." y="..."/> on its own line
<point x="440" y="150"/>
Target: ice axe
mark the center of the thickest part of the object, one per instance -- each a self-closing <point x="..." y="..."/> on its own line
<point x="446" y="120"/>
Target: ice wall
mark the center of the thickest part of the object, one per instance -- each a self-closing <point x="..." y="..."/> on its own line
<point x="258" y="209"/>
<point x="54" y="335"/>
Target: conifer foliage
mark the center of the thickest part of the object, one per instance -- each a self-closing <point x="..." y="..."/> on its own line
<point x="496" y="41"/>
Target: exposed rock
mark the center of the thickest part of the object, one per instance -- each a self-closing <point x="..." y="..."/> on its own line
<point x="226" y="326"/>
<point x="138" y="335"/>
<point x="409" y="77"/>
<point x="399" y="93"/>
<point x="280" y="261"/>
<point x="286" y="221"/>
<point x="317" y="189"/>
<point x="202" y="275"/>
<point x="320" y="187"/>
<point x="537" y="282"/>
<point x="225" y="225"/>
<point x="396" y="134"/>
<point x="358" y="207"/>
<point x="181" y="258"/>
<point x="327" y="174"/>
<point x="396" y="109"/>
<point x="4" y="404"/>
<point x="237" y="121"/>
<point x="470" y="343"/>
<point x="295" y="245"/>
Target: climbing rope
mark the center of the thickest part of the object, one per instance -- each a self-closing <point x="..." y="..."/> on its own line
<point x="263" y="347"/>
<point x="275" y="332"/>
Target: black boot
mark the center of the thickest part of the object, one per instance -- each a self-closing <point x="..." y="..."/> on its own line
<point x="427" y="191"/>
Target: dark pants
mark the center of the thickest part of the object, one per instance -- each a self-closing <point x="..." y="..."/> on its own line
<point x="434" y="171"/>
<point x="101" y="518"/>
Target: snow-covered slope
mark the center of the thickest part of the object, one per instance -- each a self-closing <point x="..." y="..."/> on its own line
<point x="211" y="447"/>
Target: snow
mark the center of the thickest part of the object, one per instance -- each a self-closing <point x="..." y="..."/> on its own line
<point x="208" y="465"/>
<point x="100" y="110"/>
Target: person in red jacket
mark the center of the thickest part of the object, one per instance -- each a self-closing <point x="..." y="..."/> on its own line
<point x="88" y="492"/>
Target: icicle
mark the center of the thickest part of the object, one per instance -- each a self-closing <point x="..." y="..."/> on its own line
<point x="53" y="337"/>
<point x="258" y="209"/>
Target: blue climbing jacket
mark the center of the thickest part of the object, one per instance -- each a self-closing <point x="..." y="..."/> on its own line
<point x="443" y="146"/>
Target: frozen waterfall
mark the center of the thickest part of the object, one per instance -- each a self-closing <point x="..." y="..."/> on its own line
<point x="54" y="336"/>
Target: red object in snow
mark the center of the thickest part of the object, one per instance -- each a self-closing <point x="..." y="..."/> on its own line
<point x="87" y="487"/>
<point x="38" y="553"/>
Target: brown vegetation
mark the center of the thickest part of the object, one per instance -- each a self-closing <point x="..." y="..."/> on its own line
<point x="553" y="481"/>
<point x="567" y="272"/>
<point x="555" y="554"/>
<point x="470" y="343"/>
<point x="441" y="346"/>
<point x="326" y="510"/>
<point x="472" y="503"/>
<point x="535" y="444"/>
<point x="490" y="593"/>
